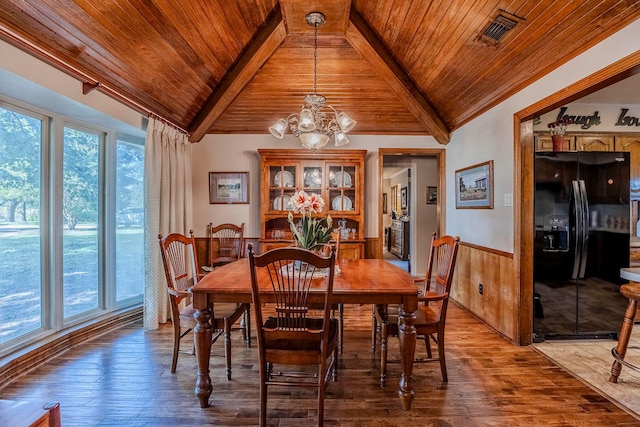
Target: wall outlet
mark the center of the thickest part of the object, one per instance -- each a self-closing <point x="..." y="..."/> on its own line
<point x="480" y="288"/>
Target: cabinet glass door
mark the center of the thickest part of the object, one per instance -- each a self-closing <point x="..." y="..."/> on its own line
<point x="282" y="185"/>
<point x="342" y="188"/>
<point x="312" y="178"/>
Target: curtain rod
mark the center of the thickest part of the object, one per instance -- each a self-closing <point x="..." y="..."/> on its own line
<point x="87" y="85"/>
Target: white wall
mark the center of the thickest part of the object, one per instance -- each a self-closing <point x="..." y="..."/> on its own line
<point x="490" y="137"/>
<point x="424" y="220"/>
<point x="238" y="153"/>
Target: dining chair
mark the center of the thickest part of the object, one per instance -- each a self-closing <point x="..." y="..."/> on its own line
<point x="226" y="243"/>
<point x="180" y="262"/>
<point x="293" y="333"/>
<point x="336" y="307"/>
<point x="430" y="318"/>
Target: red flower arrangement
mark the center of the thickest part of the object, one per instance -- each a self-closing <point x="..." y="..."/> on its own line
<point x="311" y="233"/>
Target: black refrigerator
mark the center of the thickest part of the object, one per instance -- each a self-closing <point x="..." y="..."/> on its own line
<point x="581" y="211"/>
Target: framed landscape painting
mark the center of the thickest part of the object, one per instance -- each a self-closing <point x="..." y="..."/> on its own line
<point x="474" y="186"/>
<point x="228" y="187"/>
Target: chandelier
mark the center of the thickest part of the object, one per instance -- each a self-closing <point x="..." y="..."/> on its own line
<point x="318" y="122"/>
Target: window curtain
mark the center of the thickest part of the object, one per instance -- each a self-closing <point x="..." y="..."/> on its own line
<point x="168" y="209"/>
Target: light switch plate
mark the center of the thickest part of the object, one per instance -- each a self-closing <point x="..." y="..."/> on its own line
<point x="508" y="199"/>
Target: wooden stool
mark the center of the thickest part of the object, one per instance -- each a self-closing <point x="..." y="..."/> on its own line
<point x="631" y="291"/>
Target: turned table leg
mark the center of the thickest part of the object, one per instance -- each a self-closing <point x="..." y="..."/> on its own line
<point x="407" y="336"/>
<point x="203" y="333"/>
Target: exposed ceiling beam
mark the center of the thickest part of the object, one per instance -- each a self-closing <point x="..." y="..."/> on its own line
<point x="261" y="47"/>
<point x="367" y="43"/>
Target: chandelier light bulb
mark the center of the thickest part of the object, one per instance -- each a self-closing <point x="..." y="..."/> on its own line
<point x="340" y="138"/>
<point x="345" y="122"/>
<point x="313" y="140"/>
<point x="307" y="121"/>
<point x="278" y="128"/>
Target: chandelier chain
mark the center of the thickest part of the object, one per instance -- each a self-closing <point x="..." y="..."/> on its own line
<point x="315" y="58"/>
<point x="317" y="123"/>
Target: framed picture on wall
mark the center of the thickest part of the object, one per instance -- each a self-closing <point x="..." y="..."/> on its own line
<point x="474" y="186"/>
<point x="228" y="187"/>
<point x="404" y="203"/>
<point x="384" y="203"/>
<point x="394" y="198"/>
<point x="432" y="195"/>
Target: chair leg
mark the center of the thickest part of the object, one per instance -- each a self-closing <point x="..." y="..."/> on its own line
<point x="334" y="367"/>
<point x="427" y="343"/>
<point x="340" y="326"/>
<point x="321" y="391"/>
<point x="176" y="345"/>
<point x="227" y="346"/>
<point x="383" y="353"/>
<point x="443" y="362"/>
<point x="620" y="350"/>
<point x="374" y="329"/>
<point x="247" y="327"/>
<point x="263" y="395"/>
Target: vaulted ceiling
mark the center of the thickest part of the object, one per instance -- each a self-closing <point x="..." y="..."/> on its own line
<point x="397" y="67"/>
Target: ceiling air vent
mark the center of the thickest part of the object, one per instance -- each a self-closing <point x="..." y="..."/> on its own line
<point x="498" y="28"/>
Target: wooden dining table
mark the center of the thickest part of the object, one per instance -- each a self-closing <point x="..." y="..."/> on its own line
<point x="360" y="281"/>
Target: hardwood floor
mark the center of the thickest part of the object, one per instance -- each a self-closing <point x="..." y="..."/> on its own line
<point x="123" y="379"/>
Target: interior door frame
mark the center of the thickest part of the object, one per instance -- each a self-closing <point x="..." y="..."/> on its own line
<point x="439" y="154"/>
<point x="524" y="180"/>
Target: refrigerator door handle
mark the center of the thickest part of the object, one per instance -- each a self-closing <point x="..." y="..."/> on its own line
<point x="577" y="229"/>
<point x="585" y="229"/>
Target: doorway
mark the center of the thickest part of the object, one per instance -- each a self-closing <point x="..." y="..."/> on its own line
<point x="410" y="206"/>
<point x="523" y="181"/>
<point x="396" y="178"/>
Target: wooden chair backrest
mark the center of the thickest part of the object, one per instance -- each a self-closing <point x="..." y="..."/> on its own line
<point x="180" y="262"/>
<point x="440" y="267"/>
<point x="230" y="240"/>
<point x="292" y="287"/>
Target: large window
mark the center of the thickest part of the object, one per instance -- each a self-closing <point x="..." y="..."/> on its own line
<point x="71" y="223"/>
<point x="129" y="221"/>
<point x="80" y="207"/>
<point x="21" y="137"/>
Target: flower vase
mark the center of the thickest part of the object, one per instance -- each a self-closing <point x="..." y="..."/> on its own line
<point x="303" y="266"/>
<point x="557" y="141"/>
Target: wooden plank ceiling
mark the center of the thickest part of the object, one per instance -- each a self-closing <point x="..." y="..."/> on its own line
<point x="396" y="67"/>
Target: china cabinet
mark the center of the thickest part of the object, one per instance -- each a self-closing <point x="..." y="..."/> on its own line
<point x="336" y="175"/>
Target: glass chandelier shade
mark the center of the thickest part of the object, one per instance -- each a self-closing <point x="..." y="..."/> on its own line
<point x="318" y="123"/>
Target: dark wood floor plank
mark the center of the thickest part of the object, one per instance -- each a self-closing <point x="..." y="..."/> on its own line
<point x="123" y="379"/>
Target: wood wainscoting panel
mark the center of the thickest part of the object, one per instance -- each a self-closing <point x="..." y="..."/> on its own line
<point x="497" y="305"/>
<point x="371" y="247"/>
